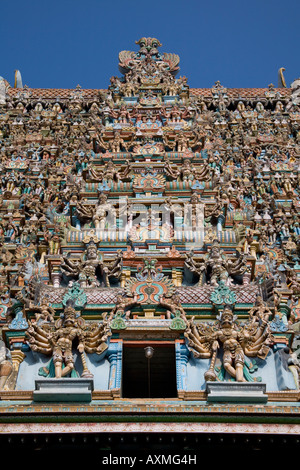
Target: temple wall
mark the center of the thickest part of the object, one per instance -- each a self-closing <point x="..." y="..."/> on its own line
<point x="29" y="370"/>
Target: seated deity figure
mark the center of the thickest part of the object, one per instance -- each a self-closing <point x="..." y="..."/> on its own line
<point x="103" y="215"/>
<point x="189" y="172"/>
<point x="186" y="172"/>
<point x="109" y="173"/>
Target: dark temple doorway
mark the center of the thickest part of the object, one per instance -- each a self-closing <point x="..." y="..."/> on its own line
<point x="153" y="377"/>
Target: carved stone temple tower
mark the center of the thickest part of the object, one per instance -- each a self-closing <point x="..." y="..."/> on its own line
<point x="149" y="261"/>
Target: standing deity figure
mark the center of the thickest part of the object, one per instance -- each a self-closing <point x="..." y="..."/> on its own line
<point x="90" y="266"/>
<point x="105" y="214"/>
<point x="53" y="239"/>
<point x="59" y="339"/>
<point x="216" y="267"/>
<point x="86" y="268"/>
<point x="252" y="339"/>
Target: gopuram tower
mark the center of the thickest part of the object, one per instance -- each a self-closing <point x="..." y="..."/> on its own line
<point x="150" y="255"/>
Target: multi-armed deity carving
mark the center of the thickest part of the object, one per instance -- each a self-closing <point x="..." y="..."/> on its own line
<point x="216" y="267"/>
<point x="102" y="214"/>
<point x="205" y="181"/>
<point x="90" y="269"/>
<point x="238" y="341"/>
<point x="189" y="172"/>
<point x="57" y="339"/>
<point x="109" y="172"/>
<point x="186" y="141"/>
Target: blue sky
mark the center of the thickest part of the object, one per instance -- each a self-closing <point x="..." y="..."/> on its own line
<point x="60" y="44"/>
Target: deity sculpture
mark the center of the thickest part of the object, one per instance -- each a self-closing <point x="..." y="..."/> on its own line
<point x="216" y="267"/>
<point x="103" y="214"/>
<point x="189" y="172"/>
<point x="175" y="114"/>
<point x="116" y="144"/>
<point x="183" y="142"/>
<point x="173" y="306"/>
<point x="84" y="211"/>
<point x="121" y="115"/>
<point x="205" y="180"/>
<point x="58" y="341"/>
<point x="53" y="239"/>
<point x="238" y="341"/>
<point x="123" y="307"/>
<point x="43" y="312"/>
<point x="90" y="266"/>
<point x="109" y="173"/>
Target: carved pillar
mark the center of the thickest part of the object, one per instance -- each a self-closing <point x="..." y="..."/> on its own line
<point x="182" y="358"/>
<point x="221" y="220"/>
<point x="246" y="278"/>
<point x="285" y="311"/>
<point x="56" y="278"/>
<point x="114" y="355"/>
<point x="17" y="357"/>
<point x="177" y="277"/>
<point x="125" y="275"/>
<point x="253" y="249"/>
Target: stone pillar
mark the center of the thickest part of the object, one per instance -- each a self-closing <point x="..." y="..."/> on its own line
<point x="56" y="278"/>
<point x="284" y="311"/>
<point x="221" y="220"/>
<point x="253" y="249"/>
<point x="177" y="277"/>
<point x="246" y="277"/>
<point x="182" y="358"/>
<point x="114" y="355"/>
<point x="125" y="275"/>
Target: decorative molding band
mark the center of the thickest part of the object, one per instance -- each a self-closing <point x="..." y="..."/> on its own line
<point x="190" y="428"/>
